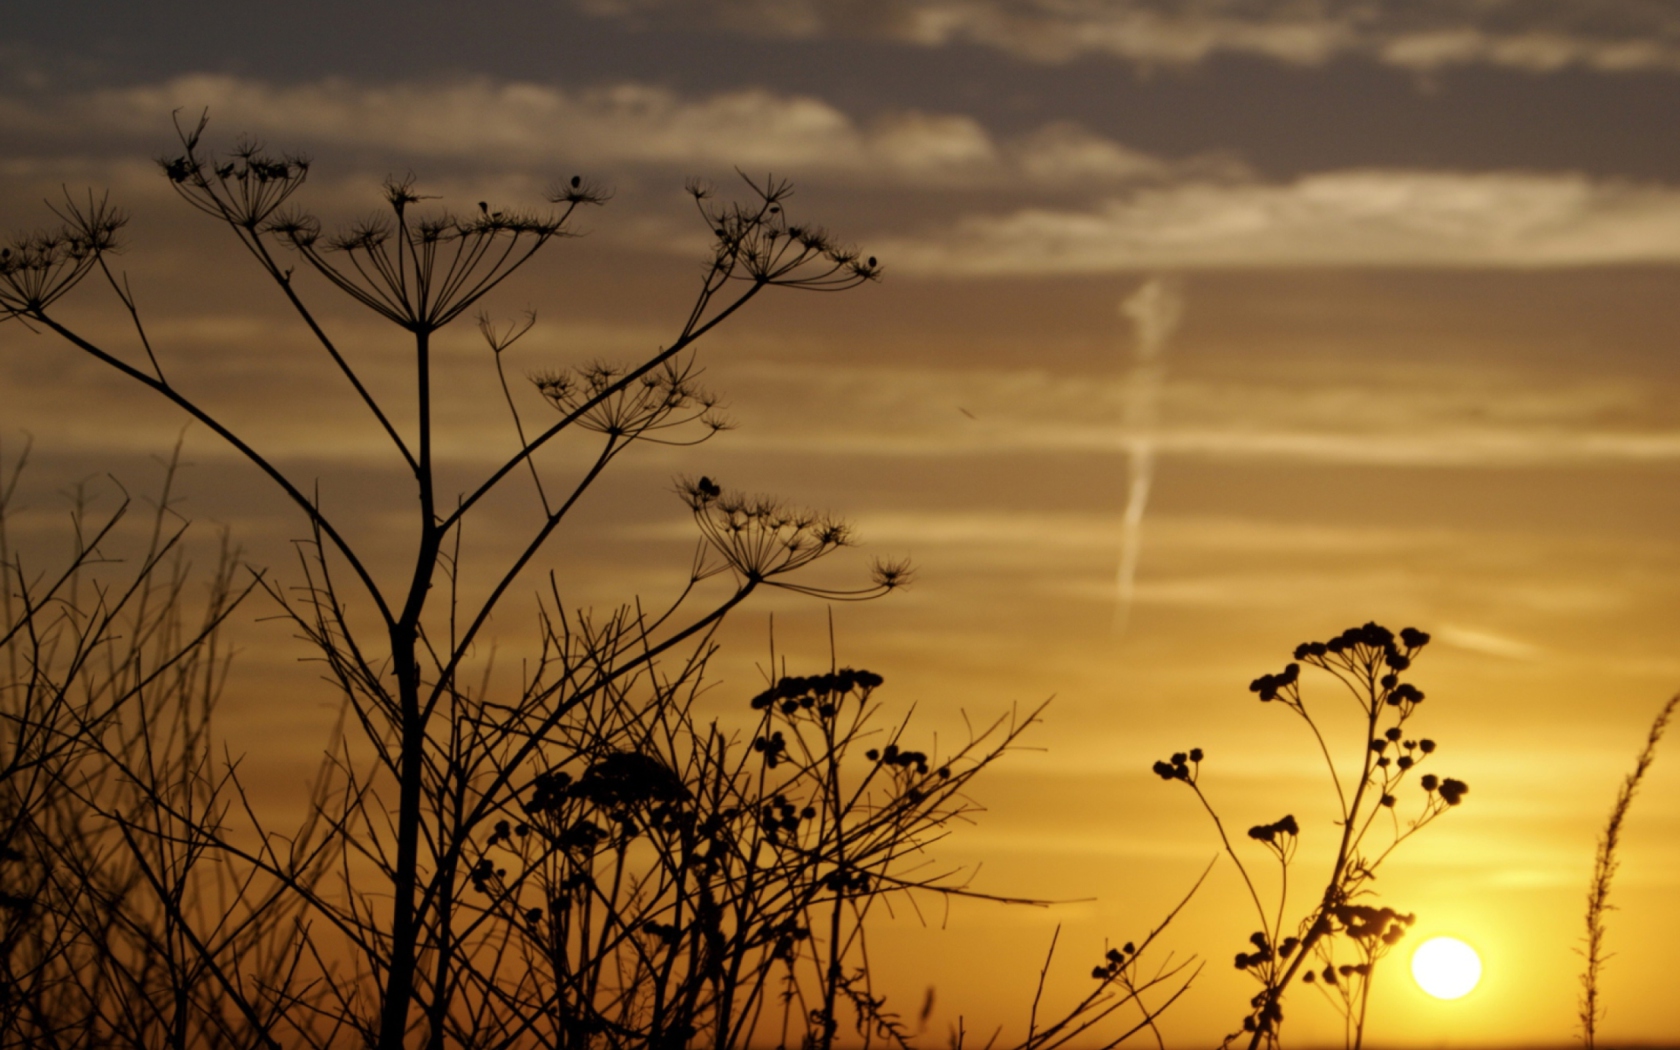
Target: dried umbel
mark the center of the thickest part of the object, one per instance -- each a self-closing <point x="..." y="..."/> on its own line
<point x="244" y="188"/>
<point x="760" y="540"/>
<point x="756" y="242"/>
<point x="424" y="271"/>
<point x="646" y="407"/>
<point x="38" y="268"/>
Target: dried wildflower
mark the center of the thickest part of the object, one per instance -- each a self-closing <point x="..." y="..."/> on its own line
<point x="1369" y="661"/>
<point x="761" y="540"/>
<point x="609" y="400"/>
<point x="37" y="269"/>
<point x="1453" y="791"/>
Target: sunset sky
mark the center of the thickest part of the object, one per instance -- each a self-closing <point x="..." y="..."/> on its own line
<point x="1404" y="280"/>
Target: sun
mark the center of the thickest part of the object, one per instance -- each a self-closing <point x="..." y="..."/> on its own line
<point x="1446" y="967"/>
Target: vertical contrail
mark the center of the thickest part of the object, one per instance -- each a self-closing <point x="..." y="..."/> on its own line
<point x="1154" y="310"/>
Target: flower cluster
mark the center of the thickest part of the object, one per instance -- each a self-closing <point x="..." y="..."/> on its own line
<point x="1267" y="1015"/>
<point x="483" y="872"/>
<point x="1371" y="925"/>
<point x="1264" y="952"/>
<point x="1279" y="836"/>
<point x="773" y="746"/>
<point x="419" y="272"/>
<point x="36" y="269"/>
<point x="245" y="188"/>
<point x="1408" y="753"/>
<point x="1114" y="961"/>
<point x="760" y="538"/>
<point x="1451" y="791"/>
<point x="1360" y="642"/>
<point x="608" y="400"/>
<point x="892" y="756"/>
<point x="755" y="242"/>
<point x="549" y="792"/>
<point x="1270" y="685"/>
<point x="503" y="832"/>
<point x="779" y="815"/>
<point x="628" y="790"/>
<point x="1368" y="660"/>
<point x="1179" y="766"/>
<point x="1277" y="830"/>
<point x="581" y="837"/>
<point x="629" y="778"/>
<point x="821" y="693"/>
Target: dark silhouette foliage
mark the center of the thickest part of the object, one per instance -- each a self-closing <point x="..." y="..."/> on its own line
<point x="578" y="861"/>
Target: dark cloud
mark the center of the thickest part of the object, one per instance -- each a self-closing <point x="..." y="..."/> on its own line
<point x="1386" y="84"/>
<point x="1428" y="35"/>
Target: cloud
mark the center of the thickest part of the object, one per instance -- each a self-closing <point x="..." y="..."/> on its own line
<point x="1135" y="211"/>
<point x="1410" y="416"/>
<point x="1538" y="36"/>
<point x="1487" y="642"/>
<point x="490" y="123"/>
<point x="1343" y="218"/>
<point x="1188" y="538"/>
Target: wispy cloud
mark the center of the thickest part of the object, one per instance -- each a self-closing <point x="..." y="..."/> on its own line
<point x="1436" y="417"/>
<point x="1076" y="202"/>
<point x="1423" y="35"/>
<point x="1489" y="643"/>
<point x="1458" y="447"/>
<point x="1345" y="218"/>
<point x="1184" y="538"/>
<point x="487" y="123"/>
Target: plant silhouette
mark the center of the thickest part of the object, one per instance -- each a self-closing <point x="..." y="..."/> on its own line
<point x="1336" y="945"/>
<point x="1605" y="864"/>
<point x="117" y="927"/>
<point x="581" y="861"/>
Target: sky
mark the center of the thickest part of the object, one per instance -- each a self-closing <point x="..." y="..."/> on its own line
<point x="1205" y="329"/>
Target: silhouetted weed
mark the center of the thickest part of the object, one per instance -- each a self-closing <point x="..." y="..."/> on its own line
<point x="1604" y="872"/>
<point x="1335" y="945"/>
<point x="575" y="861"/>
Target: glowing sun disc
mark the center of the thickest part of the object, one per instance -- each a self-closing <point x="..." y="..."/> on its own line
<point x="1446" y="967"/>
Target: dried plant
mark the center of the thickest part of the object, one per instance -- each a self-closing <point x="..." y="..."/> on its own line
<point x="1604" y="872"/>
<point x="113" y="928"/>
<point x="1336" y="945"/>
<point x="580" y="861"/>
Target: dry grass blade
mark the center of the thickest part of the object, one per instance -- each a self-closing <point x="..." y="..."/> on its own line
<point x="1604" y="872"/>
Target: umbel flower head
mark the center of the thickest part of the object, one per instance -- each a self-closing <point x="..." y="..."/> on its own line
<point x="756" y="242"/>
<point x="37" y="269"/>
<point x="661" y="399"/>
<point x="418" y="271"/>
<point x="245" y="188"/>
<point x="422" y="272"/>
<point x="760" y="539"/>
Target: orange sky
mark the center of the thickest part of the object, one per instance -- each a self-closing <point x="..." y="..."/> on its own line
<point x="1424" y="378"/>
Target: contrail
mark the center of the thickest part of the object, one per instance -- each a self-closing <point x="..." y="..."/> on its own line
<point x="1155" y="310"/>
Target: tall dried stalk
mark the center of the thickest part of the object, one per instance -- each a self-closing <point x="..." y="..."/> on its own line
<point x="1604" y="871"/>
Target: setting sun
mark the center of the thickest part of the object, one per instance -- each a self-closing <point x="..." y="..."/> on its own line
<point x="1446" y="967"/>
